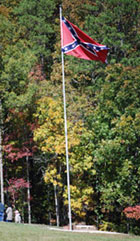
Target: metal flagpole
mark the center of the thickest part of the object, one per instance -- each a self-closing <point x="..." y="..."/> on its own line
<point x="65" y="119"/>
<point x="1" y="164"/>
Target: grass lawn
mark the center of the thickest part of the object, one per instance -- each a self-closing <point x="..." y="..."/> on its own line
<point x="22" y="232"/>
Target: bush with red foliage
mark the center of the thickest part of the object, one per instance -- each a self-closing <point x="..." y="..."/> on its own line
<point x="15" y="187"/>
<point x="132" y="212"/>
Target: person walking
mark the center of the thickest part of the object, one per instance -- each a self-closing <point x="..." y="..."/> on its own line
<point x="9" y="214"/>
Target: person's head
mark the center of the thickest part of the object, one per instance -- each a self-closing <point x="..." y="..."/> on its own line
<point x="10" y="205"/>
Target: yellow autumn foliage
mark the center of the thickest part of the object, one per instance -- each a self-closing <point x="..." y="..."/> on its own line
<point x="79" y="198"/>
<point x="50" y="134"/>
<point x="50" y="137"/>
<point x="51" y="176"/>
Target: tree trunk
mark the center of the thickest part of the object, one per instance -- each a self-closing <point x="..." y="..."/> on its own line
<point x="56" y="206"/>
<point x="1" y="164"/>
<point x="28" y="192"/>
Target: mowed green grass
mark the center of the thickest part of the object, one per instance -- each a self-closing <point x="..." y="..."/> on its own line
<point x="22" y="232"/>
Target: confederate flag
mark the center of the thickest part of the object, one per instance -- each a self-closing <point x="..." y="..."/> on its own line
<point x="77" y="43"/>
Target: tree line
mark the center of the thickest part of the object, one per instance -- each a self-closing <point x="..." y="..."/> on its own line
<point x="103" y="113"/>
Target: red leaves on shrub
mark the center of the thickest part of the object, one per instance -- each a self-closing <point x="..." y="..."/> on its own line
<point x="132" y="212"/>
<point x="15" y="186"/>
<point x="14" y="154"/>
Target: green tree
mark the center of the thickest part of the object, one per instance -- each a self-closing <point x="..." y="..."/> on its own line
<point x="116" y="137"/>
<point x="37" y="20"/>
<point x="17" y="62"/>
<point x="115" y="23"/>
